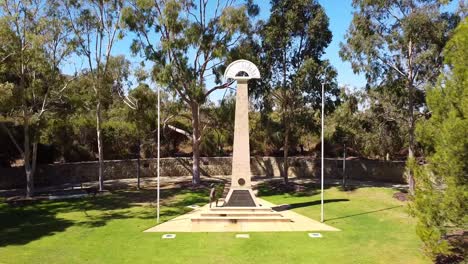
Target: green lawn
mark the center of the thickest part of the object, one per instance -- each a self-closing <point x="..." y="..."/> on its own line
<point x="108" y="229"/>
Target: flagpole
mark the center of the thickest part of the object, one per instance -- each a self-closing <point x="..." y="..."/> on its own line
<point x="322" y="152"/>
<point x="158" y="157"/>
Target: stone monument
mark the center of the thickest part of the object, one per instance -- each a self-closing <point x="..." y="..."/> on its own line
<point x="241" y="209"/>
<point x="240" y="193"/>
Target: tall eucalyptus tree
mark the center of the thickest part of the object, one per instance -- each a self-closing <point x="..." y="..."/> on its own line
<point x="399" y="40"/>
<point x="96" y="25"/>
<point x="33" y="44"/>
<point x="293" y="40"/>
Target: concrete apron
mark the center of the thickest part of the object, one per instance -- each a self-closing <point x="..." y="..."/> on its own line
<point x="265" y="220"/>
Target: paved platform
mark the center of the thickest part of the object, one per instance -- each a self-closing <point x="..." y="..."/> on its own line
<point x="184" y="223"/>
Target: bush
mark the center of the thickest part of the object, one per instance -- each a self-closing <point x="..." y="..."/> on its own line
<point x="441" y="195"/>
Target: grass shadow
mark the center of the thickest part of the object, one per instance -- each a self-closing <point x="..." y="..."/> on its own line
<point x="365" y="213"/>
<point x="347" y="188"/>
<point x="19" y="226"/>
<point x="275" y="187"/>
<point x="21" y="223"/>
<point x="306" y="204"/>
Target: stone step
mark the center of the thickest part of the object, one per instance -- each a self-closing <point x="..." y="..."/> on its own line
<point x="235" y="214"/>
<point x="237" y="219"/>
<point x="241" y="209"/>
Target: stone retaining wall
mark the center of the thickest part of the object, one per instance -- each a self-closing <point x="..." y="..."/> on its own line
<point x="53" y="174"/>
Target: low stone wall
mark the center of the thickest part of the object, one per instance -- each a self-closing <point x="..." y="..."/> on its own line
<point x="54" y="174"/>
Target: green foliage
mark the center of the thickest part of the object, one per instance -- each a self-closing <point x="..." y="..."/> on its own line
<point x="8" y="151"/>
<point x="441" y="199"/>
<point x="211" y="144"/>
<point x="27" y="66"/>
<point x="189" y="42"/>
<point x="294" y="39"/>
<point x="145" y="115"/>
<point x="221" y="134"/>
<point x="120" y="139"/>
<point x="377" y="130"/>
<point x="73" y="135"/>
<point x="429" y="208"/>
<point x="382" y="33"/>
<point x="6" y="96"/>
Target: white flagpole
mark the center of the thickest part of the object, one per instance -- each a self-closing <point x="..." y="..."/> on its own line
<point x="322" y="117"/>
<point x="158" y="171"/>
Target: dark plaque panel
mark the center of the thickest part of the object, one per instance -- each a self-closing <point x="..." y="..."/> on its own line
<point x="241" y="198"/>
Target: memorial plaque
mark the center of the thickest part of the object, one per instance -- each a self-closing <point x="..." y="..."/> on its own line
<point x="241" y="198"/>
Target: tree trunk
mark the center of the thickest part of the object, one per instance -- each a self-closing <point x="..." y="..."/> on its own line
<point x="138" y="161"/>
<point x="27" y="160"/>
<point x="100" y="147"/>
<point x="27" y="148"/>
<point x="34" y="158"/>
<point x="344" y="167"/>
<point x="285" y="122"/>
<point x="285" y="150"/>
<point x="411" y="146"/>
<point x="411" y="120"/>
<point x="196" y="144"/>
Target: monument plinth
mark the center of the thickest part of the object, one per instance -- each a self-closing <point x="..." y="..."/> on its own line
<point x="240" y="193"/>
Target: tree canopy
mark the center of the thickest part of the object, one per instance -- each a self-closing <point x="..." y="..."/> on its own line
<point x="399" y="43"/>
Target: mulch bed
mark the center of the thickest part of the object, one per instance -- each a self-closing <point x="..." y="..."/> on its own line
<point x="401" y="196"/>
<point x="458" y="239"/>
<point x="449" y="259"/>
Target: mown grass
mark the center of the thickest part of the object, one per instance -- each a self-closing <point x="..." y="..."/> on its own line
<point x="108" y="229"/>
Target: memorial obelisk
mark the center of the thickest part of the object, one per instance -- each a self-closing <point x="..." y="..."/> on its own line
<point x="240" y="193"/>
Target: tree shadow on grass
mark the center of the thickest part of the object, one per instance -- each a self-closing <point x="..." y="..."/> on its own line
<point x="123" y="199"/>
<point x="280" y="208"/>
<point x="365" y="213"/>
<point x="19" y="226"/>
<point x="23" y="223"/>
<point x="347" y="188"/>
<point x="277" y="186"/>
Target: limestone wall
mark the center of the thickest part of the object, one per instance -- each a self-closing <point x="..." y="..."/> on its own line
<point x="390" y="171"/>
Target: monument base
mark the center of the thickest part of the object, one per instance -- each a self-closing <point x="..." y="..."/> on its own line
<point x="241" y="208"/>
<point x="237" y="213"/>
<point x="240" y="197"/>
